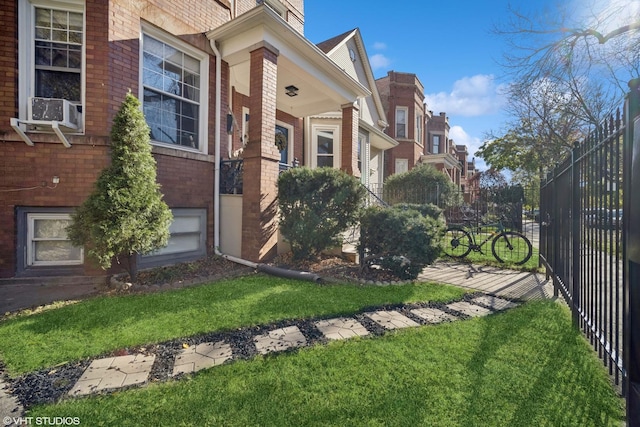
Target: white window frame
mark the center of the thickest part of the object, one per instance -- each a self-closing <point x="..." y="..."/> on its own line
<point x="364" y="154"/>
<point x="203" y="104"/>
<point x="405" y="110"/>
<point x="26" y="49"/>
<point x="31" y="239"/>
<point x="419" y="128"/>
<point x="434" y="145"/>
<point x="164" y="257"/>
<point x="401" y="165"/>
<point x="316" y="130"/>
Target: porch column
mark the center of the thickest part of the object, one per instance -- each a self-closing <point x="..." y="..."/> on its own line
<point x="261" y="156"/>
<point x="349" y="152"/>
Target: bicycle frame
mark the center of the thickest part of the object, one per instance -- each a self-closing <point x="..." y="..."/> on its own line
<point x="475" y="246"/>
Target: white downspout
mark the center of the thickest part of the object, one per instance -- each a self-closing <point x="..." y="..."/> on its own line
<point x="216" y="180"/>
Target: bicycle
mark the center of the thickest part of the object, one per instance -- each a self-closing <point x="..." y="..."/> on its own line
<point x="507" y="246"/>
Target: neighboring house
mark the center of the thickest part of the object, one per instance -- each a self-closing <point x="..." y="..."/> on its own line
<point x="216" y="78"/>
<point x="402" y="97"/>
<point x="348" y="51"/>
<point x="422" y="136"/>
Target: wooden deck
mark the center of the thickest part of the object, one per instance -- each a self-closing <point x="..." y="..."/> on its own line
<point x="508" y="284"/>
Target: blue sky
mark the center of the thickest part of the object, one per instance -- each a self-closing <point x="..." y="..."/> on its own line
<point x="447" y="44"/>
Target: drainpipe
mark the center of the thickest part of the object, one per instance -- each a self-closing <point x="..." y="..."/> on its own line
<point x="276" y="271"/>
<point x="216" y="175"/>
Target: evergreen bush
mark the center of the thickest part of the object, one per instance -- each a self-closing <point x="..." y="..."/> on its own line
<point x="124" y="215"/>
<point x="400" y="241"/>
<point x="316" y="206"/>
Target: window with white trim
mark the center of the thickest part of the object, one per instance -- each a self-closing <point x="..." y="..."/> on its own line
<point x="187" y="240"/>
<point x="174" y="91"/>
<point x="324" y="141"/>
<point x="419" y="128"/>
<point x="402" y="165"/>
<point x="51" y="45"/>
<point x="48" y="243"/>
<point x="436" y="144"/>
<point x="401" y="122"/>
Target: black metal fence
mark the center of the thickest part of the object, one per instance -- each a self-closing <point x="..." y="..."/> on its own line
<point x="505" y="203"/>
<point x="585" y="206"/>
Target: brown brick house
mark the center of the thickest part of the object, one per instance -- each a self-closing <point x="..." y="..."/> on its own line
<point x="215" y="77"/>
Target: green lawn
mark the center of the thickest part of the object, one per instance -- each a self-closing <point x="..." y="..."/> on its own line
<point x="525" y="367"/>
<point x="96" y="326"/>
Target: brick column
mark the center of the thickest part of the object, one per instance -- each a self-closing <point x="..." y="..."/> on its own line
<point x="261" y="156"/>
<point x="350" y="121"/>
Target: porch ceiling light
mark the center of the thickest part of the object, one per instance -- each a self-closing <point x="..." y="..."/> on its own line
<point x="292" y="90"/>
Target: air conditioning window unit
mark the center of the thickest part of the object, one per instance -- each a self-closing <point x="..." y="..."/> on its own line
<point x="47" y="110"/>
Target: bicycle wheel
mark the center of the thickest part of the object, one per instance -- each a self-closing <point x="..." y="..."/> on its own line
<point x="511" y="247"/>
<point x="457" y="242"/>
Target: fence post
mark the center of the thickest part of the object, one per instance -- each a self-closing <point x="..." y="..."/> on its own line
<point x="575" y="237"/>
<point x="631" y="241"/>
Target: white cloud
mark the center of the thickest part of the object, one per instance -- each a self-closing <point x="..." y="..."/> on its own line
<point x="379" y="61"/>
<point x="471" y="96"/>
<point x="379" y="46"/>
<point x="461" y="137"/>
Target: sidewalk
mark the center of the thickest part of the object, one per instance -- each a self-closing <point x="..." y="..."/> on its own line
<point x="508" y="284"/>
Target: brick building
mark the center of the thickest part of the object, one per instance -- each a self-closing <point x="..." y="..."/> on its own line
<point x="215" y="78"/>
<point x="422" y="136"/>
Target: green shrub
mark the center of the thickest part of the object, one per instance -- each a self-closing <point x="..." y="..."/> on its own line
<point x="125" y="215"/>
<point x="422" y="184"/>
<point x="316" y="206"/>
<point x="427" y="209"/>
<point x="401" y="241"/>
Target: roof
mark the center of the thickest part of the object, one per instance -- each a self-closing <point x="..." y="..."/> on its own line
<point x="328" y="45"/>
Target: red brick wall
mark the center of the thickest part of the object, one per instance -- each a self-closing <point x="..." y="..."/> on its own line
<point x="112" y="62"/>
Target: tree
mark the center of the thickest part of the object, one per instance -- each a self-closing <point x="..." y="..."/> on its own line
<point x="569" y="69"/>
<point x="125" y="215"/>
<point x="316" y="206"/>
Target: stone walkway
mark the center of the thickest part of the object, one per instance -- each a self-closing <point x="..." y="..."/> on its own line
<point x="116" y="372"/>
<point x="499" y="287"/>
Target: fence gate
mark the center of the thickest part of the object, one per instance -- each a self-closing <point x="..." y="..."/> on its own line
<point x="590" y="243"/>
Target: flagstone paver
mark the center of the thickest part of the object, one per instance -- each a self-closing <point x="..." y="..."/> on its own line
<point x="469" y="309"/>
<point x="113" y="372"/>
<point x="341" y="328"/>
<point x="280" y="339"/>
<point x="391" y="319"/>
<point x="495" y="303"/>
<point x="201" y="356"/>
<point x="432" y="315"/>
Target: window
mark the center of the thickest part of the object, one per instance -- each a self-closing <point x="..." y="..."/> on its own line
<point x="58" y="37"/>
<point x="47" y="241"/>
<point x="186" y="242"/>
<point x="43" y="246"/>
<point x="402" y="165"/>
<point x="174" y="94"/>
<point x="419" y="129"/>
<point x="325" y="148"/>
<point x="324" y="144"/>
<point x="51" y="51"/>
<point x="436" y="144"/>
<point x="401" y="122"/>
<point x="364" y="153"/>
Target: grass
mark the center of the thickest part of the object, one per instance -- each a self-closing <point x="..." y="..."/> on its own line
<point x="100" y="325"/>
<point x="524" y="367"/>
